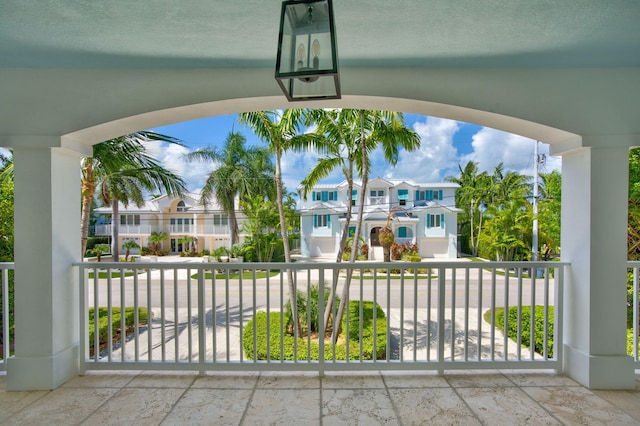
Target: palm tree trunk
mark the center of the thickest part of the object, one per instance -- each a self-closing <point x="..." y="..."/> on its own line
<point x="343" y="241"/>
<point x="88" y="190"/>
<point x="115" y="228"/>
<point x="233" y="227"/>
<point x="285" y="243"/>
<point x="354" y="248"/>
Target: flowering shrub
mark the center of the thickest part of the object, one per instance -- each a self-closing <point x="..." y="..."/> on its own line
<point x="400" y="251"/>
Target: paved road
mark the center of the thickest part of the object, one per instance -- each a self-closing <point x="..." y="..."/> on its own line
<point x="395" y="293"/>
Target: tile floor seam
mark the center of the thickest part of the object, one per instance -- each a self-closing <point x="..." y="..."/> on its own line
<point x="26" y="406"/>
<point x="249" y="400"/>
<point x="464" y="401"/>
<point x="612" y="404"/>
<point x="100" y="406"/>
<point x="538" y="403"/>
<point x="393" y="404"/>
<point x="173" y="406"/>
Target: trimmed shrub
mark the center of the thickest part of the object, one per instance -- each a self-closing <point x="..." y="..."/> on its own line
<point x="103" y="323"/>
<point x="309" y="350"/>
<point x="525" y="332"/>
<point x="308" y="310"/>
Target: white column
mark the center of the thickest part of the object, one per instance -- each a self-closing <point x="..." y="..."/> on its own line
<point x="594" y="240"/>
<point x="47" y="231"/>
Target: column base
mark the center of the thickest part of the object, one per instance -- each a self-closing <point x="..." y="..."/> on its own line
<point x="42" y="373"/>
<point x="599" y="371"/>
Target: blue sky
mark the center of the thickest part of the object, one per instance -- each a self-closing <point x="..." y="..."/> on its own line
<point x="444" y="144"/>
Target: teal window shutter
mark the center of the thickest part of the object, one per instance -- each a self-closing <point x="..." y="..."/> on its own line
<point x="313" y="196"/>
<point x="352" y="231"/>
<point x="354" y="194"/>
<point x="335" y="195"/>
<point x="440" y="194"/>
<point x="417" y="195"/>
<point x="325" y="195"/>
<point x="429" y="194"/>
<point x="329" y="220"/>
<point x="442" y="221"/>
<point x="315" y="220"/>
<point x="428" y="221"/>
<point x="403" y="194"/>
<point x="402" y="232"/>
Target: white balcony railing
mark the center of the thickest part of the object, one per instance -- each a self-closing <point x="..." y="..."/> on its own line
<point x="634" y="269"/>
<point x="436" y="316"/>
<point x="124" y="229"/>
<point x="213" y="229"/>
<point x="6" y="340"/>
<point x="185" y="228"/>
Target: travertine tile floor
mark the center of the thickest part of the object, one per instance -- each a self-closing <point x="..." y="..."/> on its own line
<point x="465" y="398"/>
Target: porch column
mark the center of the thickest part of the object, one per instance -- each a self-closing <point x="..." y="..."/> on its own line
<point x="47" y="230"/>
<point x="594" y="240"/>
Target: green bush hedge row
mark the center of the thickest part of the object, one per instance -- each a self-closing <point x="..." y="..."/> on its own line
<point x="525" y="333"/>
<point x="103" y="322"/>
<point x="310" y="350"/>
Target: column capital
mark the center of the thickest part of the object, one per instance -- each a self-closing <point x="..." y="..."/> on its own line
<point x="46" y="141"/>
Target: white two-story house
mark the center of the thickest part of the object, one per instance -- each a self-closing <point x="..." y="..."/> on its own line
<point x="423" y="213"/>
<point x="177" y="217"/>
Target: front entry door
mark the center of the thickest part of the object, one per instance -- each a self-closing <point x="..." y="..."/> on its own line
<point x="374" y="237"/>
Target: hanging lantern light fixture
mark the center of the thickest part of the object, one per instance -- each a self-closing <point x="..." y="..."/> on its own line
<point x="307" y="62"/>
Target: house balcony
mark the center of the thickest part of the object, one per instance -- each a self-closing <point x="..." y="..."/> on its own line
<point x="124" y="229"/>
<point x="213" y="229"/>
<point x="441" y="352"/>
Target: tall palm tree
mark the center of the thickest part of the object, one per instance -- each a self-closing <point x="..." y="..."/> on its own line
<point x="240" y="171"/>
<point x="340" y="144"/>
<point x="121" y="170"/>
<point x="475" y="191"/>
<point x="387" y="130"/>
<point x="281" y="133"/>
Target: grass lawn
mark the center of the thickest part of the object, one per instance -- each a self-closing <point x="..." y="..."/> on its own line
<point x="246" y="275"/>
<point x="103" y="275"/>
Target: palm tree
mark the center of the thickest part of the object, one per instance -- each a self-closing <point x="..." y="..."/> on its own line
<point x="128" y="246"/>
<point x="387" y="130"/>
<point x="155" y="240"/>
<point x="121" y="170"/>
<point x="281" y="133"/>
<point x="340" y="146"/>
<point x="475" y="191"/>
<point x="240" y="171"/>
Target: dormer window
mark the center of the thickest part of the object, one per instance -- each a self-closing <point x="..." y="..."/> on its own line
<point x="182" y="207"/>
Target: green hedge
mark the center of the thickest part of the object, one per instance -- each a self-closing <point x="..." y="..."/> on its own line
<point x="303" y="352"/>
<point x="526" y="326"/>
<point x="103" y="324"/>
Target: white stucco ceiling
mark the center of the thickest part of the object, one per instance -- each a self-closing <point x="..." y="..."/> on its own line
<point x="550" y="70"/>
<point x="381" y="33"/>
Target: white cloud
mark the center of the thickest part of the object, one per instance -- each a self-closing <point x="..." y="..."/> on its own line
<point x="492" y="147"/>
<point x="5" y="152"/>
<point x="435" y="156"/>
<point x="171" y="156"/>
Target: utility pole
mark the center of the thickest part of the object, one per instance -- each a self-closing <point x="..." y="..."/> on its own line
<point x="538" y="160"/>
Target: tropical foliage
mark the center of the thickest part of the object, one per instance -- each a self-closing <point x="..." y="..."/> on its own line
<point x="240" y="171"/>
<point x="497" y="221"/>
<point x="122" y="170"/>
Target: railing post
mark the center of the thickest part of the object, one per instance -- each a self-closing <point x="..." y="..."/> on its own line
<point x="321" y="324"/>
<point x="441" y="317"/>
<point x="635" y="313"/>
<point x="202" y="344"/>
<point x="6" y="338"/>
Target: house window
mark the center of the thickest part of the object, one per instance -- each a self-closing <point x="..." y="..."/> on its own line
<point x="220" y="219"/>
<point x="435" y="220"/>
<point x="429" y="194"/>
<point x="354" y="197"/>
<point x="130" y="219"/>
<point x="181" y="207"/>
<point x="324" y="196"/>
<point x="352" y="231"/>
<point x="377" y="196"/>
<point x="321" y="220"/>
<point x="403" y="196"/>
<point x="402" y="232"/>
